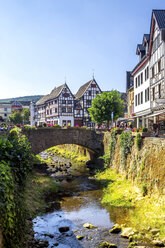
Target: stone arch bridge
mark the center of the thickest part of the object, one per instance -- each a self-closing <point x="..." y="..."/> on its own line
<point x="44" y="138"/>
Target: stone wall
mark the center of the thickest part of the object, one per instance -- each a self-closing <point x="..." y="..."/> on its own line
<point x="44" y="138"/>
<point x="145" y="167"/>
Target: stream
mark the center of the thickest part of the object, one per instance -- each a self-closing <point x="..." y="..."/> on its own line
<point x="77" y="202"/>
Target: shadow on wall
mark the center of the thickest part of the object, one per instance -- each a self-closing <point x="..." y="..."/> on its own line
<point x="1" y="238"/>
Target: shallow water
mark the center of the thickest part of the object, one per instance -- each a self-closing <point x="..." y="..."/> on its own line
<point x="79" y="202"/>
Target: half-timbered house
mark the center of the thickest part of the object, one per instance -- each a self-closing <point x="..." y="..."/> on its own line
<point x="83" y="101"/>
<point x="57" y="107"/>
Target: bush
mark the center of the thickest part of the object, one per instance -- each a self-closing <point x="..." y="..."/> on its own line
<point x="44" y="124"/>
<point x="144" y="189"/>
<point x="144" y="129"/>
<point x="138" y="141"/>
<point x="28" y="127"/>
<point x="56" y="126"/>
<point x="15" y="164"/>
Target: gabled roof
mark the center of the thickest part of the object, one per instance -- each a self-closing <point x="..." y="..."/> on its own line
<point x="160" y="17"/>
<point x="141" y="63"/>
<point x="83" y="88"/>
<point x="42" y="100"/>
<point x="16" y="103"/>
<point x="54" y="94"/>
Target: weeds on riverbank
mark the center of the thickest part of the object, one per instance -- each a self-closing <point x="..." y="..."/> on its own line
<point x="72" y="154"/>
<point x="147" y="213"/>
<point x="38" y="187"/>
<point x="119" y="192"/>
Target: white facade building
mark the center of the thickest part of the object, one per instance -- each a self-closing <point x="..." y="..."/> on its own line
<point x="149" y="81"/>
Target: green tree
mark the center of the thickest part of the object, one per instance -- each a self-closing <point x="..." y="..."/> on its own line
<point x="16" y="118"/>
<point x="25" y="114"/>
<point x="104" y="104"/>
<point x="20" y="117"/>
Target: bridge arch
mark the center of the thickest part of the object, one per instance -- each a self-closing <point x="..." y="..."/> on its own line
<point x="44" y="138"/>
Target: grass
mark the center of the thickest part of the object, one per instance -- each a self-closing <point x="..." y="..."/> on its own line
<point x="72" y="154"/>
<point x="38" y="187"/>
<point x="119" y="191"/>
<point x="147" y="213"/>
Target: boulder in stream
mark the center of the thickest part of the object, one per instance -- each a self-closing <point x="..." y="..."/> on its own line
<point x="64" y="229"/>
<point x="106" y="244"/>
<point x="115" y="229"/>
<point x="89" y="225"/>
<point x="127" y="232"/>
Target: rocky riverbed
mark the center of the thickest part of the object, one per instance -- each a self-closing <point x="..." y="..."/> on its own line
<point x="78" y="203"/>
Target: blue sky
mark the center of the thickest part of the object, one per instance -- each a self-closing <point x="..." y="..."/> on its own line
<point x="44" y="41"/>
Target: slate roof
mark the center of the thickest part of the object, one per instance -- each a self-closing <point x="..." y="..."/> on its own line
<point x="83" y="88"/>
<point x="129" y="80"/>
<point x="54" y="94"/>
<point x="139" y="63"/>
<point x="140" y="47"/>
<point x="160" y="17"/>
<point x="42" y="100"/>
<point x="146" y="37"/>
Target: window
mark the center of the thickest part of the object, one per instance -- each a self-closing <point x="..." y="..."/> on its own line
<point x="153" y="72"/>
<point x="136" y="81"/>
<point x="89" y="92"/>
<point x="147" y="74"/>
<point x="139" y="99"/>
<point x="159" y="90"/>
<point x="5" y="109"/>
<point x="139" y="80"/>
<point x="159" y="66"/>
<point x="148" y="94"/>
<point x="136" y="100"/>
<point x="55" y="102"/>
<point x="142" y="78"/>
<point x="5" y="115"/>
<point x="93" y="85"/>
<point x="63" y="110"/>
<point x="65" y="95"/>
<point x="88" y="102"/>
<point x="69" y="110"/>
<point x="97" y="92"/>
<point x="142" y="97"/>
<point x="55" y="110"/>
<point x="50" y="111"/>
<point x="69" y="101"/>
<point x="153" y="94"/>
<point x="63" y="101"/>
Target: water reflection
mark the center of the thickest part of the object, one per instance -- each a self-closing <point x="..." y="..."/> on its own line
<point x="79" y="203"/>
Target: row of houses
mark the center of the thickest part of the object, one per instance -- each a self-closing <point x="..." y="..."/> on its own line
<point x="61" y="107"/>
<point x="145" y="84"/>
<point x="6" y="108"/>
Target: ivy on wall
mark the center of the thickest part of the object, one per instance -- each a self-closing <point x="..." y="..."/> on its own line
<point x="15" y="164"/>
<point x="126" y="143"/>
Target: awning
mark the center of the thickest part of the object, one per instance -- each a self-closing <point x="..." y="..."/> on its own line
<point x="159" y="113"/>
